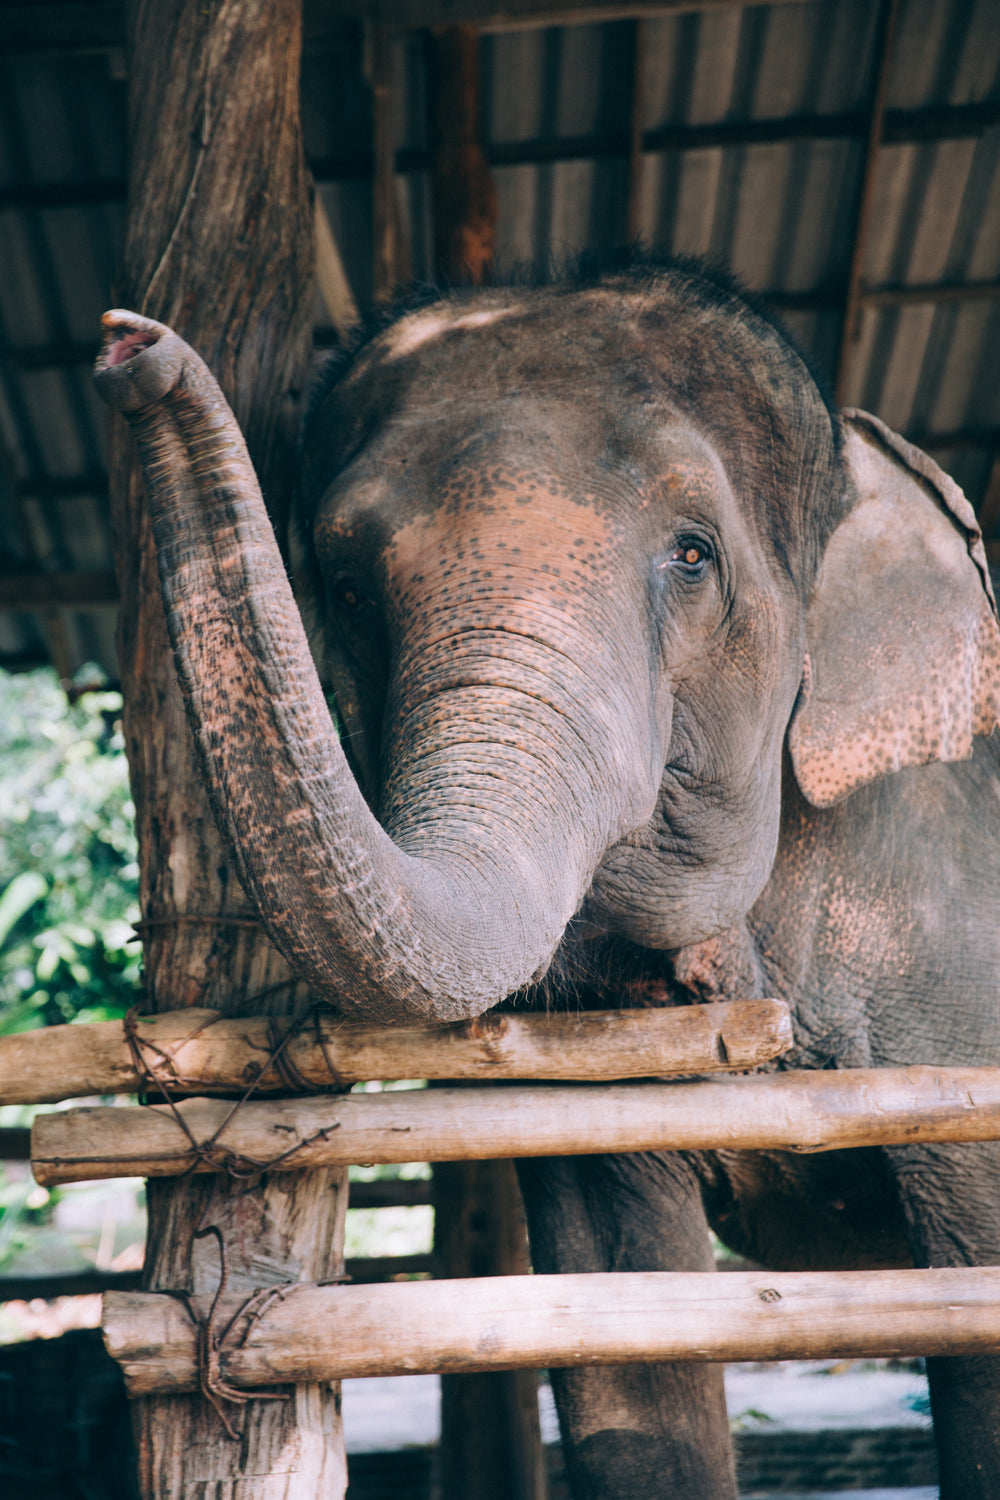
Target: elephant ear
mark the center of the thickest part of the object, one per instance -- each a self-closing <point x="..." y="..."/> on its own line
<point x="903" y="662"/>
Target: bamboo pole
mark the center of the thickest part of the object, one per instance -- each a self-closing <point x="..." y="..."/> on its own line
<point x="531" y="1322"/>
<point x="202" y="1051"/>
<point x="820" y="1111"/>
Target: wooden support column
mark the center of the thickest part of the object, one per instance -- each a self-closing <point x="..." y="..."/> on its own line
<point x="219" y="243"/>
<point x="850" y="330"/>
<point x="491" y="1442"/>
<point x="637" y="111"/>
<point x="463" y="194"/>
<point x="391" y="262"/>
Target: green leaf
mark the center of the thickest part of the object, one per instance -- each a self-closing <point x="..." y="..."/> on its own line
<point x="19" y="897"/>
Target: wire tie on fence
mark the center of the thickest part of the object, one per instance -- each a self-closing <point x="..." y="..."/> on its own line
<point x="239" y="1168"/>
<point x="211" y="1343"/>
<point x="284" y="1065"/>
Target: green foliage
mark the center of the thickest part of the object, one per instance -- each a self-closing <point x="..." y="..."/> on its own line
<point x="68" y="870"/>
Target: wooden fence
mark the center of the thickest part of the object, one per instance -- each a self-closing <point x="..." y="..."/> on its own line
<point x="306" y="1332"/>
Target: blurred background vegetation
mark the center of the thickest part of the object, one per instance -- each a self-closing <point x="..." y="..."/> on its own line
<point x="68" y="952"/>
<point x="68" y="870"/>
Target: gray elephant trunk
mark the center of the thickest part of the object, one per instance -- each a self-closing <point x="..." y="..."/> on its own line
<point x="439" y="925"/>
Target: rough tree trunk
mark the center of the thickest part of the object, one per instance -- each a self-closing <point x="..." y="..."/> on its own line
<point x="219" y="245"/>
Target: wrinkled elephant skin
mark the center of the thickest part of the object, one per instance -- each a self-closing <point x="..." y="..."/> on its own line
<point x="659" y="682"/>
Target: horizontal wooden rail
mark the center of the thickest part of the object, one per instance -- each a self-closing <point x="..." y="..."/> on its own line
<point x="203" y="1052"/>
<point x="533" y="1322"/>
<point x="819" y="1111"/>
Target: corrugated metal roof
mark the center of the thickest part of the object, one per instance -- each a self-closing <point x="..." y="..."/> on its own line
<point x="780" y="208"/>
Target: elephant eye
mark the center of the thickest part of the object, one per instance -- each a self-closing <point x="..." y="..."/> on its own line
<point x="690" y="555"/>
<point x="347" y="595"/>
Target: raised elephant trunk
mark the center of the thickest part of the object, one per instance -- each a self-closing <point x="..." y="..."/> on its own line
<point x="442" y="932"/>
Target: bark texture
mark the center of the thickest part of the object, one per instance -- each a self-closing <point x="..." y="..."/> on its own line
<point x="577" y="1321"/>
<point x="829" y="1110"/>
<point x="219" y="242"/>
<point x="203" y="1052"/>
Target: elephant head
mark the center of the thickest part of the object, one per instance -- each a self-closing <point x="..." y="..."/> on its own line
<point x="579" y="562"/>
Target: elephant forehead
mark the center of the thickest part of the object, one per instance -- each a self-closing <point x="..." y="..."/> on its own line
<point x="506" y="528"/>
<point x="422" y="329"/>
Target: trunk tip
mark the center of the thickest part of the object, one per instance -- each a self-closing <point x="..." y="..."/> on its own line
<point x="140" y="363"/>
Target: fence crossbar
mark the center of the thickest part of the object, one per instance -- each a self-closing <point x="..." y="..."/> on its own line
<point x="792" y="1111"/>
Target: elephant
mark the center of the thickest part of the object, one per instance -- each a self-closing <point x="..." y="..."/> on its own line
<point x="659" y="681"/>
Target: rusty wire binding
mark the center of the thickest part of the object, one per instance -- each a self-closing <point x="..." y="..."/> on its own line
<point x="239" y="1168"/>
<point x="211" y="1341"/>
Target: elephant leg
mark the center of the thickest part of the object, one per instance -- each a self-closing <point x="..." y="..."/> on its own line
<point x="951" y="1198"/>
<point x="631" y="1432"/>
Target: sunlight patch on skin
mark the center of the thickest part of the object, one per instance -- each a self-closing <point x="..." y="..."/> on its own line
<point x="414" y="333"/>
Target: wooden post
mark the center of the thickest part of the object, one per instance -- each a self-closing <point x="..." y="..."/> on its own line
<point x="463" y="195"/>
<point x="219" y="242"/>
<point x="391" y="260"/>
<point x="491" y="1441"/>
<point x="850" y="329"/>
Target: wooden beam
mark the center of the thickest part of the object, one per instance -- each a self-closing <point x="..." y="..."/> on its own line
<point x="537" y="1322"/>
<point x="823" y="1111"/>
<point x="901" y="127"/>
<point x="386" y="229"/>
<point x="55" y="26"/>
<point x="360" y="1271"/>
<point x="637" y="114"/>
<point x="511" y="15"/>
<point x="463" y="194"/>
<point x="200" y="1051"/>
<point x="86" y="1283"/>
<point x="956" y="437"/>
<point x="894" y="295"/>
<point x="15" y="1143"/>
<point x="57" y="590"/>
<point x="391" y="1192"/>
<point x="850" y="331"/>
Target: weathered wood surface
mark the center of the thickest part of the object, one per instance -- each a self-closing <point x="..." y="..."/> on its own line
<point x="464" y="203"/>
<point x="532" y="1322"/>
<point x="200" y="1050"/>
<point x="491" y="1440"/>
<point x="821" y="1111"/>
<point x="219" y="244"/>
